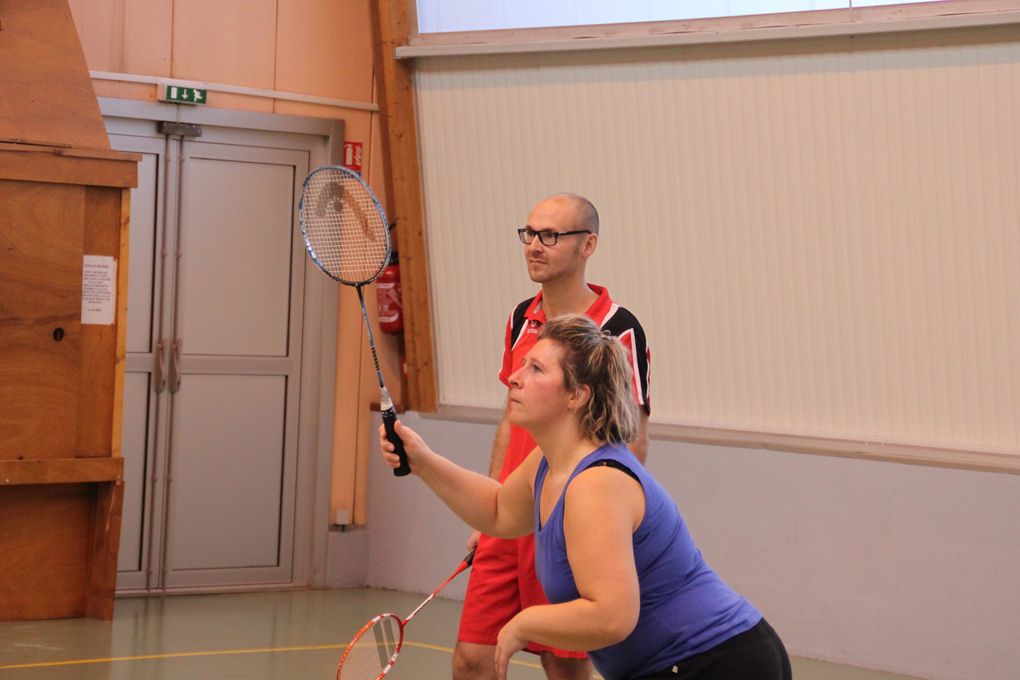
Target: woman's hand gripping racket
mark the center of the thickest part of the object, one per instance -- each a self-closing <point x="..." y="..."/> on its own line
<point x="373" y="651"/>
<point x="348" y="238"/>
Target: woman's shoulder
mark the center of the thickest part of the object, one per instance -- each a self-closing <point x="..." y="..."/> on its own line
<point x="605" y="484"/>
<point x="609" y="456"/>
<point x="611" y="451"/>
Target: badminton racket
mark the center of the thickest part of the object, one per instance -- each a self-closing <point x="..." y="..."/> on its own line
<point x="348" y="238"/>
<point x="373" y="651"/>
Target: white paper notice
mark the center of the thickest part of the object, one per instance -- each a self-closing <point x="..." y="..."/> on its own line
<point x="98" y="290"/>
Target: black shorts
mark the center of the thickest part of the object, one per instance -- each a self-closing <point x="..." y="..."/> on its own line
<point x="755" y="654"/>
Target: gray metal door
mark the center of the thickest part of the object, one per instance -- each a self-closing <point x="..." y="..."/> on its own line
<point x="142" y="407"/>
<point x="213" y="371"/>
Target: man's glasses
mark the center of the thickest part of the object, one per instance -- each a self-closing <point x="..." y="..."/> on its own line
<point x="546" y="236"/>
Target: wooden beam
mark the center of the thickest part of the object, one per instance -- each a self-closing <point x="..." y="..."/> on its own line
<point x="403" y="186"/>
<point x="60" y="471"/>
<point x="122" y="306"/>
<point x="97" y="367"/>
<point x="56" y="165"/>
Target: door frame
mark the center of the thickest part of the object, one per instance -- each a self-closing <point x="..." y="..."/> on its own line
<point x="320" y="302"/>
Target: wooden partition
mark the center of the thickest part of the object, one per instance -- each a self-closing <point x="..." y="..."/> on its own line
<point x="64" y="206"/>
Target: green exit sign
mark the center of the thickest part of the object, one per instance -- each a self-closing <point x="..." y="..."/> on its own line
<point x="183" y="95"/>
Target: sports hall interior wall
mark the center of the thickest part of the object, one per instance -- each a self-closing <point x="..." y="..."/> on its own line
<point x="818" y="235"/>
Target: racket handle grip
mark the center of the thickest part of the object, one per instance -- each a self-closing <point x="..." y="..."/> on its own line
<point x="389" y="417"/>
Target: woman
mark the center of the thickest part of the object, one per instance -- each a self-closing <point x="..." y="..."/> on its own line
<point x="625" y="581"/>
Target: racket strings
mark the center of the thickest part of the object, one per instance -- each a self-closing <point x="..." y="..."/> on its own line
<point x="343" y="227"/>
<point x="372" y="651"/>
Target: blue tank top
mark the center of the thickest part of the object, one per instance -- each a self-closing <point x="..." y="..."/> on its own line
<point x="686" y="608"/>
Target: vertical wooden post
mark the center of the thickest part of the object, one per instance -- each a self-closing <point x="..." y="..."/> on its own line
<point x="120" y="355"/>
<point x="103" y="543"/>
<point x="403" y="186"/>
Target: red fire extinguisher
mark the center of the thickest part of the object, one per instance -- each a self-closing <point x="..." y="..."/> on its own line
<point x="391" y="319"/>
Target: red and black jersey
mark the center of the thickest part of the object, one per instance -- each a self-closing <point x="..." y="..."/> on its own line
<point x="522" y="333"/>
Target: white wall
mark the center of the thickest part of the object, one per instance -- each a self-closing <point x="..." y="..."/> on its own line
<point x="472" y="15"/>
<point x="415" y="541"/>
<point x="902" y="568"/>
<point x="819" y="236"/>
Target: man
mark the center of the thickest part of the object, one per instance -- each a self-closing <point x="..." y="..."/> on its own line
<point x="561" y="234"/>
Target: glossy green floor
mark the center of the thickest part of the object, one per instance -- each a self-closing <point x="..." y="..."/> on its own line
<point x="258" y="636"/>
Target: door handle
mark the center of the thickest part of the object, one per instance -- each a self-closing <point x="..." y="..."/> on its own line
<point x="175" y="366"/>
<point x="160" y="367"/>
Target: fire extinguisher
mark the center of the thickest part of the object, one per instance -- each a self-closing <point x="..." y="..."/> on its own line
<point x="391" y="318"/>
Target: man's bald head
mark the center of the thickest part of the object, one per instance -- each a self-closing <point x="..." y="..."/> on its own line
<point x="584" y="212"/>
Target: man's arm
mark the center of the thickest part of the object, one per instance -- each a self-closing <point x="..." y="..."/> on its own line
<point x="499" y="444"/>
<point x="639" y="447"/>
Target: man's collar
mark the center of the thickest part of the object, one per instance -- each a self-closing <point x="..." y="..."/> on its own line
<point x="598" y="309"/>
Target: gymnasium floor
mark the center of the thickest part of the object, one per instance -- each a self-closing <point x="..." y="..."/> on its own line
<point x="293" y="635"/>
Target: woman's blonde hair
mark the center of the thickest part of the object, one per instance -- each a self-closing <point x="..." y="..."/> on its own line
<point x="599" y="361"/>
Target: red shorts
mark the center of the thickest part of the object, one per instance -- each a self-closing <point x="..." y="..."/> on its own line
<point x="502" y="583"/>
